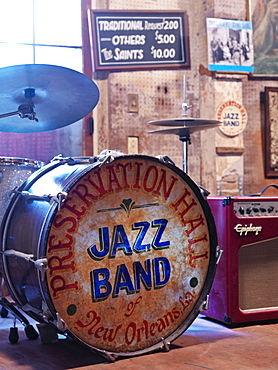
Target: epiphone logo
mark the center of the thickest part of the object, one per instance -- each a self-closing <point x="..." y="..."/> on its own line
<point x="244" y="230"/>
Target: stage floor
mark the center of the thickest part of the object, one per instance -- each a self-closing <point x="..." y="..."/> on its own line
<point x="204" y="345"/>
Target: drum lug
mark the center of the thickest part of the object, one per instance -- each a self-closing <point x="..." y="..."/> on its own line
<point x="107" y="156"/>
<point x="41" y="265"/>
<point x="205" y="304"/>
<point x="31" y="196"/>
<point x="219" y="253"/>
<point x="165" y="159"/>
<point x="59" y="198"/>
<point x="60" y="158"/>
<point x="111" y="357"/>
<point x="14" y="253"/>
<point x="47" y="315"/>
<point x="205" y="193"/>
<point x="61" y="325"/>
<point x="166" y="345"/>
<point x="74" y="160"/>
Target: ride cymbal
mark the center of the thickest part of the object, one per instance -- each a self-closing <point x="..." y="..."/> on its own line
<point x="42" y="97"/>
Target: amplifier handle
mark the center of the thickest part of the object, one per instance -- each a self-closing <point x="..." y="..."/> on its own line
<point x="263" y="190"/>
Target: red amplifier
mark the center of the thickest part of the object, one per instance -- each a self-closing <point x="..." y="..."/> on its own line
<point x="245" y="287"/>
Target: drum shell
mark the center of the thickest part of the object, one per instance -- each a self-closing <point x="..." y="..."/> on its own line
<point x="14" y="172"/>
<point x="27" y="227"/>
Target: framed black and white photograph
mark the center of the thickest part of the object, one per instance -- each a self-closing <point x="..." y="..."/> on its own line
<point x="230" y="45"/>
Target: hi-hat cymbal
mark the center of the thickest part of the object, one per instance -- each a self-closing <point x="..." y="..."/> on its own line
<point x="185" y="131"/>
<point x="60" y="96"/>
<point x="184" y="121"/>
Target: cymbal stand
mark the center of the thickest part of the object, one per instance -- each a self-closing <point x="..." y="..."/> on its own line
<point x="25" y="110"/>
<point x="185" y="139"/>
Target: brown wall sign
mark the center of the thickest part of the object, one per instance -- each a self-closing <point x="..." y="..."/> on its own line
<point x="271" y="132"/>
<point x="233" y="116"/>
<point x="127" y="40"/>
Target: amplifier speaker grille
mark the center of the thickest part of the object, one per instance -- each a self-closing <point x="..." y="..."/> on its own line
<point x="258" y="275"/>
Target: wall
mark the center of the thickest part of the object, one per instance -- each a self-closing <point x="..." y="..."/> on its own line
<point x="254" y="136"/>
<point x="160" y="96"/>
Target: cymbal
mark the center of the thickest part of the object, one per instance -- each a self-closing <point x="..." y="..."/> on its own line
<point x="53" y="97"/>
<point x="184" y="131"/>
<point x="184" y="121"/>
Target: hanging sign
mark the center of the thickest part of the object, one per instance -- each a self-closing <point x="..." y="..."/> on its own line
<point x="233" y="116"/>
<point x="127" y="40"/>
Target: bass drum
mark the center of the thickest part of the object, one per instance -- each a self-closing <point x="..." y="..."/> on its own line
<point x="119" y="251"/>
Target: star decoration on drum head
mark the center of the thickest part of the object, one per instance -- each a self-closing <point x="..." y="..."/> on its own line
<point x="127" y="205"/>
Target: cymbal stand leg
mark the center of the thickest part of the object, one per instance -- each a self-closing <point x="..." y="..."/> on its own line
<point x="185" y="142"/>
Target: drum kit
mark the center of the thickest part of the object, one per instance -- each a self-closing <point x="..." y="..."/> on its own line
<point x="117" y="251"/>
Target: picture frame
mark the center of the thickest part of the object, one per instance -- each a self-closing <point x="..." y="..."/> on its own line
<point x="126" y="40"/>
<point x="265" y="34"/>
<point x="271" y="132"/>
<point x="230" y="45"/>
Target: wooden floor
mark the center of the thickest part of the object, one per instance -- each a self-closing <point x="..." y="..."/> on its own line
<point x="205" y="345"/>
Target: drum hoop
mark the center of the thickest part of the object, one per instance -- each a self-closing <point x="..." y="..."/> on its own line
<point x="16" y="161"/>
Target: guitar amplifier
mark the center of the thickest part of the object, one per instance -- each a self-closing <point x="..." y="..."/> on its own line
<point x="245" y="287"/>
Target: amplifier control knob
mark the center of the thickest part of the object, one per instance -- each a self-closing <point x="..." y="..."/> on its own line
<point x="262" y="209"/>
<point x="241" y="210"/>
<point x="270" y="209"/>
<point x="256" y="210"/>
<point x="248" y="210"/>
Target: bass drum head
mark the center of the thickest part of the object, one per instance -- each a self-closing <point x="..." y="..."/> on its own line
<point x="131" y="255"/>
